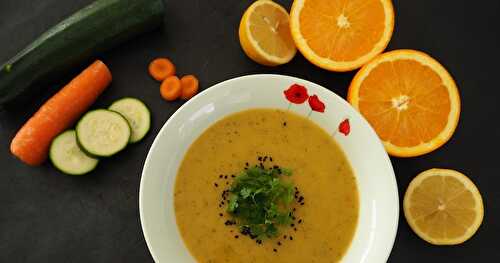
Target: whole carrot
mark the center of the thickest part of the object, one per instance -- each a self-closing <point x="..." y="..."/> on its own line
<point x="32" y="141"/>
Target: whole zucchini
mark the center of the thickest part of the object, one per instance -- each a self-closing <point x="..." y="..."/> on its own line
<point x="93" y="29"/>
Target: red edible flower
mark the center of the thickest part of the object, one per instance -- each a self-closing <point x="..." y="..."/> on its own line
<point x="316" y="104"/>
<point x="345" y="127"/>
<point x="296" y="94"/>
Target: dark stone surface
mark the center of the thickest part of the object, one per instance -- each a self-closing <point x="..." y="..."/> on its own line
<point x="48" y="217"/>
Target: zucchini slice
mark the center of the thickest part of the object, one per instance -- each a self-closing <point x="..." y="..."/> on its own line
<point x="102" y="133"/>
<point x="67" y="156"/>
<point x="137" y="115"/>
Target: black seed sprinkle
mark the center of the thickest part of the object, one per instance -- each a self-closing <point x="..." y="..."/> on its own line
<point x="301" y="203"/>
<point x="279" y="243"/>
<point x="245" y="230"/>
<point x="265" y="159"/>
<point x="294" y="209"/>
<point x="216" y="185"/>
<point x="225" y="176"/>
<point x="233" y="176"/>
<point x="229" y="223"/>
<point x="300" y="221"/>
<point x="284" y="236"/>
<point x="236" y="236"/>
<point x="258" y="241"/>
<point x="260" y="158"/>
<point x="291" y="238"/>
<point x="220" y="214"/>
<point x="294" y="229"/>
<point x="292" y="225"/>
<point x="284" y="123"/>
<point x="275" y="250"/>
<point x="246" y="164"/>
<point x="270" y="158"/>
<point x="220" y="176"/>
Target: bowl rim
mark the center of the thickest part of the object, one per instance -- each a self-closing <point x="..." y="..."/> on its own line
<point x="222" y="84"/>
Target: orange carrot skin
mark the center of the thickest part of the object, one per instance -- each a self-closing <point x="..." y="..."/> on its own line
<point x="189" y="84"/>
<point x="31" y="143"/>
<point x="161" y="68"/>
<point x="170" y="88"/>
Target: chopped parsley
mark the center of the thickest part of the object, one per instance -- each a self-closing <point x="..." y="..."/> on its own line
<point x="259" y="201"/>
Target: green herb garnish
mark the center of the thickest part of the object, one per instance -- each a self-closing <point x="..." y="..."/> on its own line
<point x="8" y="68"/>
<point x="259" y="200"/>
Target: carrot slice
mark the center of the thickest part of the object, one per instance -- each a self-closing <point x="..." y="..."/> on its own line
<point x="161" y="68"/>
<point x="32" y="141"/>
<point x="189" y="84"/>
<point x="170" y="88"/>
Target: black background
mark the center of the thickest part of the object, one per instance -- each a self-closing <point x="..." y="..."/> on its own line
<point x="48" y="217"/>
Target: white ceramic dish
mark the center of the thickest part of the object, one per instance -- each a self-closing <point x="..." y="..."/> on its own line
<point x="379" y="203"/>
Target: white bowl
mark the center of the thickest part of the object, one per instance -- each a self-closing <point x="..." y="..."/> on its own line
<point x="379" y="203"/>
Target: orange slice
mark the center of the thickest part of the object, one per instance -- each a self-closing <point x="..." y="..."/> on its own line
<point x="409" y="99"/>
<point x="443" y="207"/>
<point x="265" y="34"/>
<point x="341" y="35"/>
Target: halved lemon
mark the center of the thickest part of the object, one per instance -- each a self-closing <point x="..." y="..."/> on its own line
<point x="341" y="35"/>
<point x="409" y="99"/>
<point x="443" y="207"/>
<point x="265" y="34"/>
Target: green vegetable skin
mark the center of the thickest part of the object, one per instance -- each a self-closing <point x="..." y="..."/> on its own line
<point x="136" y="113"/>
<point x="260" y="201"/>
<point x="68" y="157"/>
<point x="99" y="126"/>
<point x="93" y="29"/>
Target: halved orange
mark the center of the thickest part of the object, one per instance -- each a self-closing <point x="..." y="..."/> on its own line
<point x="265" y="34"/>
<point x="443" y="207"/>
<point x="410" y="100"/>
<point x="341" y="35"/>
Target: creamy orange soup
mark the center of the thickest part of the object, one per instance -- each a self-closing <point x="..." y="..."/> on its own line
<point x="320" y="170"/>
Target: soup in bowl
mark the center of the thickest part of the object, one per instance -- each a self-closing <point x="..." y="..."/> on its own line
<point x="323" y="213"/>
<point x="268" y="168"/>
